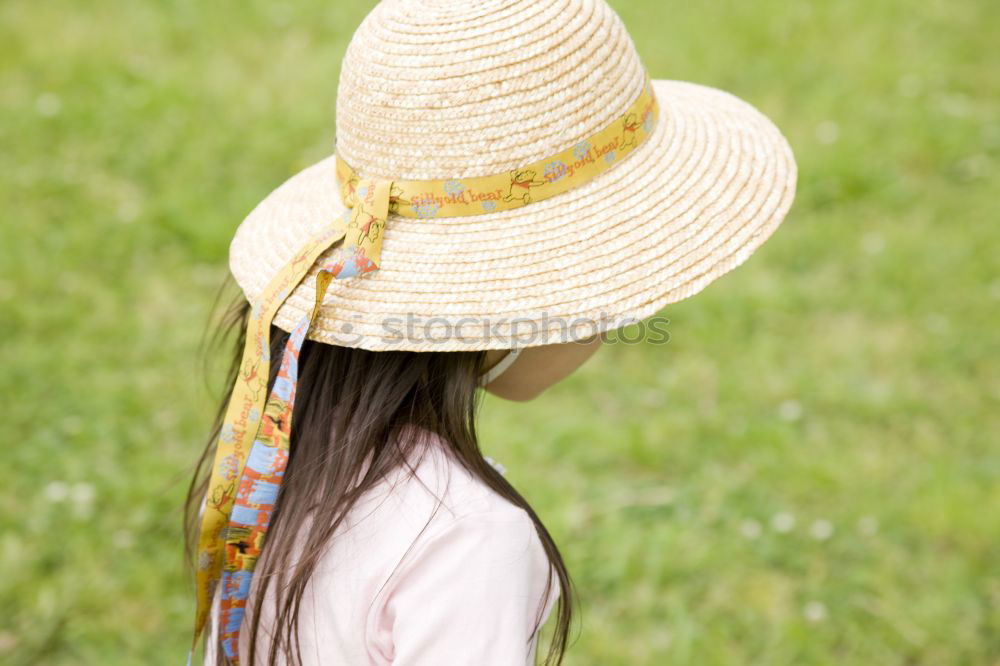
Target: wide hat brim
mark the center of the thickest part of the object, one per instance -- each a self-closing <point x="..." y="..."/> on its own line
<point x="707" y="188"/>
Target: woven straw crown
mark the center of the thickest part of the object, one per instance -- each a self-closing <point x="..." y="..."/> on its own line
<point x="437" y="89"/>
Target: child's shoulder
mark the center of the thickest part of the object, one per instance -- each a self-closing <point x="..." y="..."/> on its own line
<point x="435" y="479"/>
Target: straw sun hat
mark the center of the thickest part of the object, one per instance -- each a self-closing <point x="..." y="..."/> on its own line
<point x="452" y="91"/>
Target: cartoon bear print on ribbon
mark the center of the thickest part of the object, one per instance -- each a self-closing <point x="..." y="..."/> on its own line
<point x="521" y="183"/>
<point x="220" y="496"/>
<point x="251" y="377"/>
<point x="630" y="125"/>
<point x="364" y="227"/>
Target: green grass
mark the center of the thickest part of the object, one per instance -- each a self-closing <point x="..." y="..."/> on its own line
<point x="846" y="376"/>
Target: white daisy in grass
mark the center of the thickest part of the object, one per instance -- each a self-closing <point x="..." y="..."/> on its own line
<point x="83" y="492"/>
<point x="48" y="105"/>
<point x="814" y="611"/>
<point x="783" y="522"/>
<point x="821" y="529"/>
<point x="750" y="529"/>
<point x="790" y="410"/>
<point x="56" y="491"/>
<point x="827" y="132"/>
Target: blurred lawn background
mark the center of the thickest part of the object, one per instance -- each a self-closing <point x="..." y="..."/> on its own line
<point x="806" y="474"/>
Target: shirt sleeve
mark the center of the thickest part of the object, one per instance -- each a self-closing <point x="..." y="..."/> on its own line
<point x="473" y="593"/>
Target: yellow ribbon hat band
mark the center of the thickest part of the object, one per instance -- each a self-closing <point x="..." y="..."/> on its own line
<point x="255" y="438"/>
<point x="534" y="182"/>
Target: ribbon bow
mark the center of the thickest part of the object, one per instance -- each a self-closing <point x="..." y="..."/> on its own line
<point x="369" y="204"/>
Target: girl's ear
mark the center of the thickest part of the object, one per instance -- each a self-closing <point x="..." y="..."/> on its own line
<point x="538" y="368"/>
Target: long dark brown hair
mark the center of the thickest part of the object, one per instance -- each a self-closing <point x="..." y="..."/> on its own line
<point x="369" y="399"/>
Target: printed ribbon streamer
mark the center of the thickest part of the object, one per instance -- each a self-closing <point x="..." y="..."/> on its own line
<point x="522" y="186"/>
<point x="253" y="446"/>
<point x="253" y="449"/>
<point x="257" y="494"/>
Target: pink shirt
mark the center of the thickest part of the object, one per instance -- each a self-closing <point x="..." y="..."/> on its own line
<point x="409" y="583"/>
